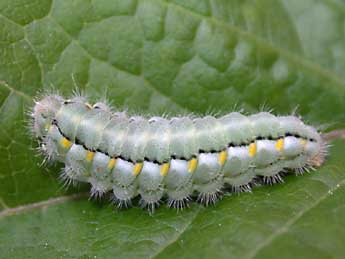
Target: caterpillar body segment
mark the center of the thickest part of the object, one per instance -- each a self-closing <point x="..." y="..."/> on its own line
<point x="173" y="158"/>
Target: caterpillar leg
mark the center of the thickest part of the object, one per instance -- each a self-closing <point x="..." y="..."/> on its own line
<point x="75" y="169"/>
<point x="121" y="203"/>
<point x="241" y="188"/>
<point x="208" y="179"/>
<point x="273" y="179"/>
<point x="124" y="183"/>
<point x="238" y="169"/>
<point x="179" y="203"/>
<point x="98" y="188"/>
<point x="68" y="176"/>
<point x="271" y="174"/>
<point x="150" y="186"/>
<point x="241" y="182"/>
<point x="100" y="178"/>
<point x="179" y="184"/>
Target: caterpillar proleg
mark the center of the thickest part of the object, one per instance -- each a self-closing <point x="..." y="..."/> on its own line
<point x="176" y="158"/>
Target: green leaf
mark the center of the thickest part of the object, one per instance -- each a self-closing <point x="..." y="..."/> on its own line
<point x="176" y="56"/>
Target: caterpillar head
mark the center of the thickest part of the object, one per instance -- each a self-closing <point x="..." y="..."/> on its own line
<point x="43" y="114"/>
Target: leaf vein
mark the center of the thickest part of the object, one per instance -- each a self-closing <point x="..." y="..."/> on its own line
<point x="284" y="228"/>
<point x="175" y="238"/>
<point x="41" y="204"/>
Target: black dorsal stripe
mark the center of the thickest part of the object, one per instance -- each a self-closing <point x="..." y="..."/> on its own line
<point x="173" y="157"/>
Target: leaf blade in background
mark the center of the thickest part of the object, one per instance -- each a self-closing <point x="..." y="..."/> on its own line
<point x="176" y="57"/>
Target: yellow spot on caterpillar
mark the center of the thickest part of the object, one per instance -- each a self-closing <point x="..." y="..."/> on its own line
<point x="65" y="143"/>
<point x="222" y="157"/>
<point x="90" y="155"/>
<point x="111" y="163"/>
<point x="252" y="149"/>
<point x="137" y="168"/>
<point x="303" y="142"/>
<point x="280" y="144"/>
<point x="89" y="106"/>
<point x="192" y="165"/>
<point x="165" y="169"/>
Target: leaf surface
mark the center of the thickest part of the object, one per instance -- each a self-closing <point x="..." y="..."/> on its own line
<point x="175" y="57"/>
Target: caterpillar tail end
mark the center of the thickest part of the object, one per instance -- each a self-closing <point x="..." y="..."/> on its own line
<point x="326" y="138"/>
<point x="321" y="156"/>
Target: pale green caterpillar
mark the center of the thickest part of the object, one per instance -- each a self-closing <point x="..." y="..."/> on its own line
<point x="173" y="158"/>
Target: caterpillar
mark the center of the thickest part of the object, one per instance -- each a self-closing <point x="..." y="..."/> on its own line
<point x="171" y="158"/>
